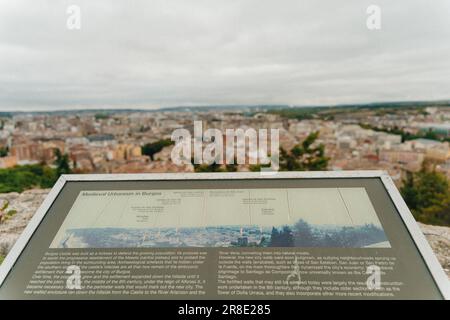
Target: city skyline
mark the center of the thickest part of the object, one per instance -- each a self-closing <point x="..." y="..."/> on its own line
<point x="238" y="107"/>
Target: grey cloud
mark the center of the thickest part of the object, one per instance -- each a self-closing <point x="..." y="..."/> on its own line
<point x="167" y="53"/>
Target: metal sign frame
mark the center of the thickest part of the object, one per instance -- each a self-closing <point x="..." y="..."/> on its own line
<point x="433" y="265"/>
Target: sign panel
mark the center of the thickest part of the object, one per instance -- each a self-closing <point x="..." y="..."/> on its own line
<point x="223" y="236"/>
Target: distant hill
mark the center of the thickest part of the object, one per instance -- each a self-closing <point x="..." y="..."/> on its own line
<point x="240" y="108"/>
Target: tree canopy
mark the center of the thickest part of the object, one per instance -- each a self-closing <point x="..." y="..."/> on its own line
<point x="150" y="149"/>
<point x="20" y="178"/>
<point x="427" y="194"/>
<point x="305" y="156"/>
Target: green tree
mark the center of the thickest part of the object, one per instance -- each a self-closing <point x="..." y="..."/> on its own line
<point x="101" y="116"/>
<point x="48" y="177"/>
<point x="306" y="156"/>
<point x="62" y="163"/>
<point x="150" y="149"/>
<point x="20" y="178"/>
<point x="439" y="212"/>
<point x="409" y="191"/>
<point x="427" y="194"/>
<point x="3" y="151"/>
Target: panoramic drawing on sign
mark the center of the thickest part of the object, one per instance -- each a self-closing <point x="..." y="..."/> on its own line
<point x="291" y="217"/>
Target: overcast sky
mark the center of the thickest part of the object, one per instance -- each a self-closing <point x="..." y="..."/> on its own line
<point x="212" y="52"/>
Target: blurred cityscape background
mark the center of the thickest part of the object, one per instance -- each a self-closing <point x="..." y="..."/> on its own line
<point x="408" y="140"/>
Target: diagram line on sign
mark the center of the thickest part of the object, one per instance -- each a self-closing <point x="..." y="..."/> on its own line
<point x="345" y="204"/>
